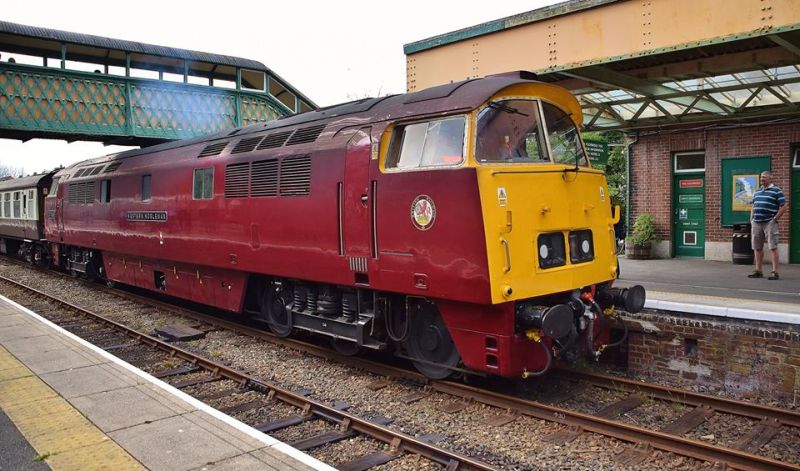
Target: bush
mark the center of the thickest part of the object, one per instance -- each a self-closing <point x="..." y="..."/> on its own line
<point x="644" y="230"/>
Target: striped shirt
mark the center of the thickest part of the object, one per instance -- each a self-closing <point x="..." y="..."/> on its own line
<point x="766" y="203"/>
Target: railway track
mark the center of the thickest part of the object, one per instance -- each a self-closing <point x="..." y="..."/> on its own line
<point x="143" y="350"/>
<point x="743" y="455"/>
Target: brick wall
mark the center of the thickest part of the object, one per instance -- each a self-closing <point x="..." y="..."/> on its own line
<point x="651" y="168"/>
<point x="744" y="358"/>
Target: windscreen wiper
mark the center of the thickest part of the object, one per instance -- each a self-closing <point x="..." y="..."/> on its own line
<point x="506" y="108"/>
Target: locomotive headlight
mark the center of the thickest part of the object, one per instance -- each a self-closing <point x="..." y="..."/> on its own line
<point x="552" y="251"/>
<point x="581" y="246"/>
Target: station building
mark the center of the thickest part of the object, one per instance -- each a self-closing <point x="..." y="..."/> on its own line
<point x="706" y="92"/>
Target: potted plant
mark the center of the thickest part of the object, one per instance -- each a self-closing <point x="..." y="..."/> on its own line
<point x="639" y="243"/>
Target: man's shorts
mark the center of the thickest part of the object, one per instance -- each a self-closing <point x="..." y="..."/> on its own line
<point x="762" y="230"/>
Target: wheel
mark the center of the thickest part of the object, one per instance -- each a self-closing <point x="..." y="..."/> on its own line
<point x="430" y="345"/>
<point x="345" y="347"/>
<point x="275" y="309"/>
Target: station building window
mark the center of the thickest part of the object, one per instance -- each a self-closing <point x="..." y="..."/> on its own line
<point x="687" y="162"/>
<point x="437" y="143"/>
<point x="203" y="183"/>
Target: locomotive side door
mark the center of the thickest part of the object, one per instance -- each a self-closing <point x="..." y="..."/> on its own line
<point x="356" y="200"/>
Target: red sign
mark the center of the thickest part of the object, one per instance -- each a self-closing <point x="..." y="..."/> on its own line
<point x="691" y="183"/>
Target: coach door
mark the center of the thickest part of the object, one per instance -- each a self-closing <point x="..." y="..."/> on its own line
<point x="794" y="209"/>
<point x="689" y="205"/>
<point x="355" y="202"/>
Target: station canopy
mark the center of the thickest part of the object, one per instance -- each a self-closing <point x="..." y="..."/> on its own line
<point x="637" y="65"/>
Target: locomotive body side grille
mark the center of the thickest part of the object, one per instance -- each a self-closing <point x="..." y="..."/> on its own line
<point x="358" y="264"/>
<point x="246" y="145"/>
<point x="264" y="178"/>
<point x="213" y="149"/>
<point x="305" y="135"/>
<point x="295" y="175"/>
<point x="237" y="180"/>
<point x="274" y="140"/>
<point x="81" y="193"/>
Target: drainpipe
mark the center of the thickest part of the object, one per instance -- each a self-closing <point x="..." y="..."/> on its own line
<point x="629" y="182"/>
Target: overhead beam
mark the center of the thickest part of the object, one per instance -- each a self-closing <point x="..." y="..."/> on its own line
<point x="781" y="41"/>
<point x="648" y="88"/>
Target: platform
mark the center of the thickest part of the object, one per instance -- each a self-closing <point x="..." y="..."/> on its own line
<point x="81" y="408"/>
<point x="715" y="288"/>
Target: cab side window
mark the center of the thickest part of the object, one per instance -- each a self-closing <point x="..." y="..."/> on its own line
<point x="203" y="183"/>
<point x="438" y="143"/>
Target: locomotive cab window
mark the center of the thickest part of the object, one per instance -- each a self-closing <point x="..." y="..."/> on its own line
<point x="510" y="131"/>
<point x="565" y="144"/>
<point x="438" y="143"/>
<point x="203" y="184"/>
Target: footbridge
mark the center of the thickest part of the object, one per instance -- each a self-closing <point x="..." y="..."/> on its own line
<point x="63" y="85"/>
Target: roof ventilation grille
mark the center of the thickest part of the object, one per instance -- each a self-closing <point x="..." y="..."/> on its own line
<point x="304" y="135"/>
<point x="213" y="149"/>
<point x="274" y="140"/>
<point x="246" y="145"/>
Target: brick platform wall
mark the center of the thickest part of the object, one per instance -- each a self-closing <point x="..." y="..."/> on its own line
<point x="744" y="358"/>
<point x="651" y="168"/>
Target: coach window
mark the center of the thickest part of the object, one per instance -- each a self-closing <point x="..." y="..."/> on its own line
<point x="6" y="205"/>
<point x="437" y="143"/>
<point x="145" y="187"/>
<point x="203" y="183"/>
<point x="105" y="191"/>
<point x="16" y="205"/>
<point x="32" y="208"/>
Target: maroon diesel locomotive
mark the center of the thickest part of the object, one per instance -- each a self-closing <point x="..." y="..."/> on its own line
<point x="460" y="226"/>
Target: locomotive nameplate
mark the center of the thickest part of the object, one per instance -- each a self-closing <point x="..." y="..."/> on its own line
<point x="148" y="216"/>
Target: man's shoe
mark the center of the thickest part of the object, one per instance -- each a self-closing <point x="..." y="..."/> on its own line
<point x="756" y="274"/>
<point x="774" y="276"/>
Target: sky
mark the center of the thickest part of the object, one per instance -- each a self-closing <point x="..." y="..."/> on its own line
<point x="331" y="51"/>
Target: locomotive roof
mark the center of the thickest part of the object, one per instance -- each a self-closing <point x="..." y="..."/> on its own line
<point x="448" y="98"/>
<point x="24" y="182"/>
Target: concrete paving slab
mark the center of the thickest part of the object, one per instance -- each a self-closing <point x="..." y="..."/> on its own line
<point x="224" y="431"/>
<point x="123" y="408"/>
<point x="246" y="462"/>
<point x="163" y="444"/>
<point x="21" y="331"/>
<point x="89" y="380"/>
<point x="26" y="347"/>
<point x="8" y="319"/>
<point x="276" y="457"/>
<point x="58" y="360"/>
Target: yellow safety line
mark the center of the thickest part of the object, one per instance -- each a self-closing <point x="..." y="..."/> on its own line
<point x="57" y="431"/>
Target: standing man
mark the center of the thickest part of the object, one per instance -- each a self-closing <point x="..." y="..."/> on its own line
<point x="769" y="204"/>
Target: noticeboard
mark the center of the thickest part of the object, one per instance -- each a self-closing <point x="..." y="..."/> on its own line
<point x="597" y="150"/>
<point x="739" y="182"/>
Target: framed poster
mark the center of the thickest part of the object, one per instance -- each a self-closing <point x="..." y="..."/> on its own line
<point x="742" y="191"/>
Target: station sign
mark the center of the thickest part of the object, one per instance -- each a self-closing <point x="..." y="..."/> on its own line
<point x="692" y="183"/>
<point x="690" y="198"/>
<point x="597" y="150"/>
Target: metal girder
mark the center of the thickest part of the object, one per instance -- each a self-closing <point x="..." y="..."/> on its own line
<point x="649" y="88"/>
<point x="784" y="43"/>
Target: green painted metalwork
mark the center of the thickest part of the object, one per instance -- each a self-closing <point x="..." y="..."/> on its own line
<point x="58" y="101"/>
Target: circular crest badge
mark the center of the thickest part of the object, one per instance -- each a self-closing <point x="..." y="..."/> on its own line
<point x="423" y="212"/>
